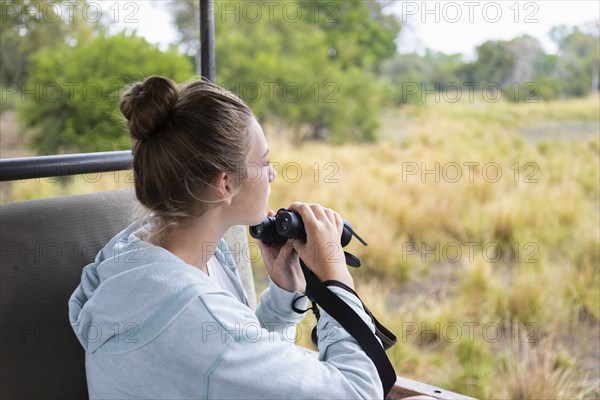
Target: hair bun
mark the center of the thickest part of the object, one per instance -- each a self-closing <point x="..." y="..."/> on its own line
<point x="147" y="105"/>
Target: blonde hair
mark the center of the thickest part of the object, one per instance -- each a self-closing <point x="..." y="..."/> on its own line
<point x="183" y="137"/>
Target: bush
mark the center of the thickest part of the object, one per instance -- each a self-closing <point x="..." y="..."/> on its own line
<point x="71" y="98"/>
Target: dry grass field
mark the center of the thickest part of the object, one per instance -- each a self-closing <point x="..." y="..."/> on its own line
<point x="483" y="226"/>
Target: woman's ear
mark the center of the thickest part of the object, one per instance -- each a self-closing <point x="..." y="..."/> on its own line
<point x="223" y="187"/>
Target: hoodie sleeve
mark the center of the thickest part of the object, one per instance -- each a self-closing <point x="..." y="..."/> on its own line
<point x="275" y="313"/>
<point x="267" y="365"/>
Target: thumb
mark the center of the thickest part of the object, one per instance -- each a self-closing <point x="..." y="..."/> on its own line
<point x="261" y="245"/>
<point x="301" y="249"/>
<point x="296" y="244"/>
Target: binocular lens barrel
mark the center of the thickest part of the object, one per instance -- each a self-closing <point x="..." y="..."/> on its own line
<point x="267" y="232"/>
<point x="288" y="225"/>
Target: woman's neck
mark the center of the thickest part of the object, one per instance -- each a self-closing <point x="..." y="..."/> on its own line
<point x="197" y="243"/>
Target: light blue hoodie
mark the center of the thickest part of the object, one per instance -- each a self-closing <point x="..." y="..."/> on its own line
<point x="153" y="326"/>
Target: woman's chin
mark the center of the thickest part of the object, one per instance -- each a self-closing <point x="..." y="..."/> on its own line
<point x="258" y="220"/>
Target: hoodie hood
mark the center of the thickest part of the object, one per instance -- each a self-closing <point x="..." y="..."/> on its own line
<point x="134" y="290"/>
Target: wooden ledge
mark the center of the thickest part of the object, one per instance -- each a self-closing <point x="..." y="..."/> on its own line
<point x="405" y="387"/>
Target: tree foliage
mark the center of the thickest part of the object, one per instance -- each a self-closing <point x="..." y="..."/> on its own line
<point x="519" y="67"/>
<point x="30" y="25"/>
<point x="409" y="76"/>
<point x="579" y="64"/>
<point x="284" y="72"/>
<point x="283" y="61"/>
<point x="323" y="68"/>
<point x="359" y="33"/>
<point x="71" y="97"/>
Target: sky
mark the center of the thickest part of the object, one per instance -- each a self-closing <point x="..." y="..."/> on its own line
<point x="459" y="26"/>
<point x="446" y="26"/>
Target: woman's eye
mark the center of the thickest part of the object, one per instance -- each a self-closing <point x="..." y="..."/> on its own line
<point x="267" y="163"/>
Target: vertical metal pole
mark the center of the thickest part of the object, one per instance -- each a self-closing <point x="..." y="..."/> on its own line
<point x="207" y="38"/>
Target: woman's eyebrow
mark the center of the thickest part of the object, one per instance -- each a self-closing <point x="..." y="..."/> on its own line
<point x="266" y="152"/>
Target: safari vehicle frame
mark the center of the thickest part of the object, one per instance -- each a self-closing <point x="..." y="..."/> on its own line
<point x="41" y="357"/>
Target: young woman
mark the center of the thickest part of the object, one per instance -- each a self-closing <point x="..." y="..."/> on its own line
<point x="161" y="312"/>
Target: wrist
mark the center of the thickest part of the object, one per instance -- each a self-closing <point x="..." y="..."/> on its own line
<point x="341" y="276"/>
<point x="339" y="284"/>
<point x="286" y="285"/>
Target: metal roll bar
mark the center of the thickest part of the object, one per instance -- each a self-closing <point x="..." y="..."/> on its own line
<point x="72" y="164"/>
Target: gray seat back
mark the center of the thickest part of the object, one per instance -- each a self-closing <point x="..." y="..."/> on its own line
<point x="44" y="246"/>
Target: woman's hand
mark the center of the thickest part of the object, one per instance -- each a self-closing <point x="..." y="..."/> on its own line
<point x="322" y="253"/>
<point x="283" y="264"/>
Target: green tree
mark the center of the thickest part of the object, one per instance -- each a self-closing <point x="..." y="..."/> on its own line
<point x="495" y="63"/>
<point x="30" y="25"/>
<point x="547" y="77"/>
<point x="359" y="33"/>
<point x="281" y="66"/>
<point x="579" y="64"/>
<point x="510" y="65"/>
<point x="186" y="15"/>
<point x="407" y="75"/>
<point x="526" y="51"/>
<point x="72" y="95"/>
<point x="282" y="70"/>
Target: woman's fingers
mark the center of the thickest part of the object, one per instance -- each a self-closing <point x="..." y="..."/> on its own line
<point x="339" y="222"/>
<point x="305" y="211"/>
<point x="323" y="228"/>
<point x="319" y="212"/>
<point x="313" y="213"/>
<point x="335" y="219"/>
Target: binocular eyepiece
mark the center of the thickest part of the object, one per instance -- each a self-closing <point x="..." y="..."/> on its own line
<point x="288" y="224"/>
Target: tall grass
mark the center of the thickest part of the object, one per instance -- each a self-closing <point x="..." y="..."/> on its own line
<point x="490" y="279"/>
<point x="464" y="269"/>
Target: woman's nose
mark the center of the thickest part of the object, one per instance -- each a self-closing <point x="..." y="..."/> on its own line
<point x="272" y="174"/>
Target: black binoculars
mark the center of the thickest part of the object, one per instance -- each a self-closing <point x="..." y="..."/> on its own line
<point x="288" y="224"/>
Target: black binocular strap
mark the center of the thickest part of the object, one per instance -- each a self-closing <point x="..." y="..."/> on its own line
<point x="351" y="321"/>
